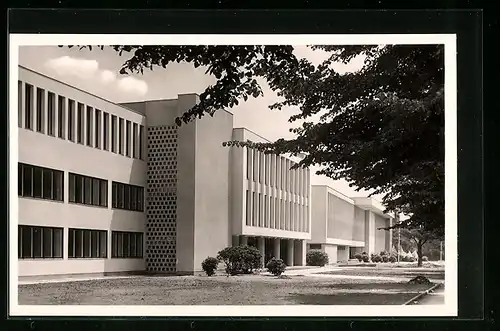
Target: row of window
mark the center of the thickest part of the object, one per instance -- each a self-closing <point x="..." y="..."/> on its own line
<point x="92" y="127"/>
<point x="46" y="183"/>
<point x="37" y="242"/>
<point x="274" y="170"/>
<point x="271" y="212"/>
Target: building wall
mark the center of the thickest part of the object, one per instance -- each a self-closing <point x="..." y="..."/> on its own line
<point x="40" y="149"/>
<point x="318" y="214"/>
<point x="270" y="182"/>
<point x="340" y="218"/>
<point x="331" y="250"/>
<point x="359" y="224"/>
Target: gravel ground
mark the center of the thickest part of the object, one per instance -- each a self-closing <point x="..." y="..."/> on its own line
<point x="436" y="274"/>
<point x="219" y="290"/>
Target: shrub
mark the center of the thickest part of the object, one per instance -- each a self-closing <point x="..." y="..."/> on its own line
<point x="358" y="256"/>
<point x="376" y="258"/>
<point x="382" y="253"/>
<point x="209" y="265"/>
<point x="412" y="259"/>
<point x="365" y="257"/>
<point x="425" y="258"/>
<point x="240" y="259"/>
<point x="392" y="259"/>
<point x="385" y="258"/>
<point x="276" y="266"/>
<point x="315" y="257"/>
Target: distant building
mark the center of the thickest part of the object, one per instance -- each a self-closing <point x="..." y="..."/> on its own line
<point x="343" y="226"/>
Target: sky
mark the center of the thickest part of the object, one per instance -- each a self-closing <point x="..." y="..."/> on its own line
<point x="97" y="71"/>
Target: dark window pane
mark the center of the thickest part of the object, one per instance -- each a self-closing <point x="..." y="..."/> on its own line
<point x="141" y="141"/>
<point x="78" y="189"/>
<point x="121" y="201"/>
<point x="133" y="198"/>
<point x="114" y="195"/>
<point x="126" y="244"/>
<point x="58" y="243"/>
<point x="86" y="243"/>
<point x="126" y="197"/>
<point x="58" y="185"/>
<point x="134" y="141"/>
<point x="88" y="190"/>
<point x="72" y="187"/>
<point x="97" y="129"/>
<point x="37" y="182"/>
<point x="94" y="244"/>
<point x="120" y="244"/>
<point x="71" y="120"/>
<point x="60" y="116"/>
<point x="120" y="136"/>
<point x="79" y="126"/>
<point x="95" y="192"/>
<point x="27" y="242"/>
<point x="37" y="242"/>
<point x="19" y="242"/>
<point x="78" y="243"/>
<point x="114" y="244"/>
<point x="133" y="245"/>
<point x="113" y="134"/>
<point x="40" y="103"/>
<point x="127" y="138"/>
<point x="139" y="245"/>
<point x="71" y="243"/>
<point x="27" y="181"/>
<point x="47" y="184"/>
<point x="103" y="197"/>
<point x="105" y="131"/>
<point x="51" y="113"/>
<point x="20" y="179"/>
<point x="140" y="199"/>
<point x="104" y="244"/>
<point x="28" y="107"/>
<point x="89" y="126"/>
<point x="47" y="242"/>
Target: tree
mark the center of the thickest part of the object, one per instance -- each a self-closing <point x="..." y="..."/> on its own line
<point x="381" y="128"/>
<point x="418" y="236"/>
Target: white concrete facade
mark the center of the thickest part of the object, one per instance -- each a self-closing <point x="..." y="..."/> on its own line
<point x="343" y="226"/>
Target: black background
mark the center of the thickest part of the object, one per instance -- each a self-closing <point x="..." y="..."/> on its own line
<point x="467" y="23"/>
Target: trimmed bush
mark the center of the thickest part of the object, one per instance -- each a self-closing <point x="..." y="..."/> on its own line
<point x="385" y="258"/>
<point x="376" y="258"/>
<point x="276" y="266"/>
<point x="209" y="265"/>
<point x="365" y="257"/>
<point x="412" y="259"/>
<point x="359" y="257"/>
<point x="240" y="259"/>
<point x="382" y="253"/>
<point x="393" y="259"/>
<point x="315" y="257"/>
<point x="425" y="258"/>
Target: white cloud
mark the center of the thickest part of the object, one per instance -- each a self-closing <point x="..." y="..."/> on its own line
<point x="69" y="66"/>
<point x="107" y="76"/>
<point x="134" y="85"/>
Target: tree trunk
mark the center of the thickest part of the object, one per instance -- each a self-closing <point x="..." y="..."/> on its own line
<point x="419" y="253"/>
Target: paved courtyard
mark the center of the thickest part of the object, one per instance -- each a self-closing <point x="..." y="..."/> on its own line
<point x="328" y="285"/>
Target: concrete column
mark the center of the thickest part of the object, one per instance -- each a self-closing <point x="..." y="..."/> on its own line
<point x="289" y="252"/>
<point x="369" y="232"/>
<point x="300" y="252"/>
<point x="243" y="240"/>
<point x="261" y="243"/>
<point x="277" y="248"/>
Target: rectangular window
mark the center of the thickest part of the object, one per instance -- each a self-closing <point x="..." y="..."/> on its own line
<point x="61" y="111"/>
<point x="19" y="104"/>
<point x="80" y="124"/>
<point x="113" y="133"/>
<point x="141" y="142"/>
<point x="261" y="167"/>
<point x="28" y="107"/>
<point x="260" y="210"/>
<point x="254" y="209"/>
<point x="88" y="190"/>
<point x="71" y="120"/>
<point x="88" y="122"/>
<point x="51" y="114"/>
<point x="40" y="110"/>
<point x="271" y="213"/>
<point x="36" y="242"/>
<point x="248" y="210"/>
<point x="126" y="245"/>
<point x="39" y="182"/>
<point x="105" y="131"/>
<point x="249" y="161"/>
<point x="134" y="141"/>
<point x="266" y="168"/>
<point x="127" y="197"/>
<point x="127" y="138"/>
<point x="84" y="243"/>
<point x="97" y="129"/>
<point x="255" y="165"/>
<point x="266" y="219"/>
<point x="120" y="136"/>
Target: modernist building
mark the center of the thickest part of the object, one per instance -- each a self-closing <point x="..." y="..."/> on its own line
<point x="107" y="188"/>
<point x="343" y="226"/>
